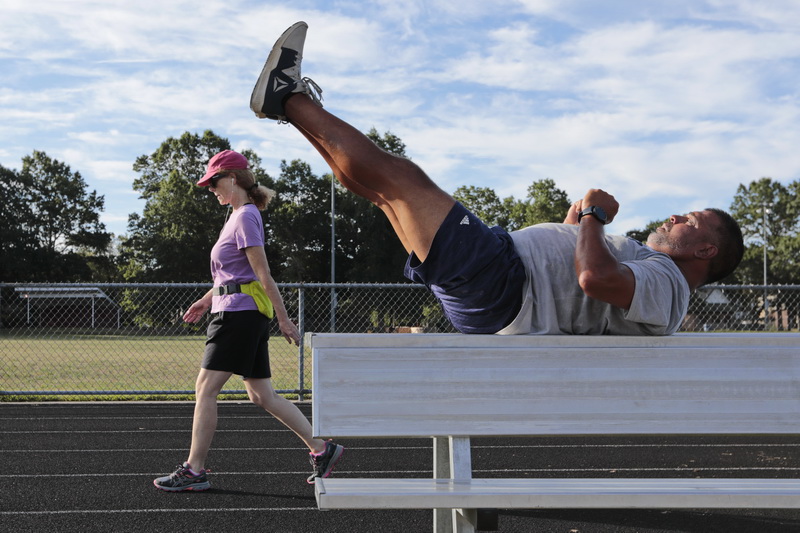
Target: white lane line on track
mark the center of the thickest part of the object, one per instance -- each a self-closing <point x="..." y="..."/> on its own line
<point x="671" y="445"/>
<point x="213" y="473"/>
<point x="474" y="446"/>
<point x="103" y="431"/>
<point x="380" y="473"/>
<point x="124" y="511"/>
<point x="271" y="448"/>
<point x="423" y="448"/>
<point x="139" y="417"/>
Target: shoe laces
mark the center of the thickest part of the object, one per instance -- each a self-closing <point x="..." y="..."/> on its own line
<point x="313" y="90"/>
<point x="184" y="471"/>
<point x="318" y="459"/>
<point x="181" y="472"/>
<point x="309" y="87"/>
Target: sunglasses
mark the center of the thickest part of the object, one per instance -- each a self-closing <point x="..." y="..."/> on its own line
<point x="215" y="179"/>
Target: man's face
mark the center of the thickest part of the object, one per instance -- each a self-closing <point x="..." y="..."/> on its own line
<point x="681" y="234"/>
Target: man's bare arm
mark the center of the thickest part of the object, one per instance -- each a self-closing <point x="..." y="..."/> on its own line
<point x="600" y="275"/>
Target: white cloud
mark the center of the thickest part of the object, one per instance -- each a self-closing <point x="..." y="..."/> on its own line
<point x="662" y="103"/>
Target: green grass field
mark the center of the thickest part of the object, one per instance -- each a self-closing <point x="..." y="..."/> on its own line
<point x="61" y="363"/>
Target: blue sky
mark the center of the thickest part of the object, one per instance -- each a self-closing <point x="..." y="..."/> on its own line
<point x="667" y="104"/>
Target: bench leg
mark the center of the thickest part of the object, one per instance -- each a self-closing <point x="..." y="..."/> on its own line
<point x="442" y="518"/>
<point x="464" y="520"/>
<point x="452" y="458"/>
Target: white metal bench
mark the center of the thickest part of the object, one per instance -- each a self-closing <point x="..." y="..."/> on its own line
<point x="452" y="387"/>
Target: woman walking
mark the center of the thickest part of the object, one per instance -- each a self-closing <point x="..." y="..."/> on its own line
<point x="242" y="301"/>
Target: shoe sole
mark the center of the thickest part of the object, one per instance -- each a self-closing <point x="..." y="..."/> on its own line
<point x="197" y="487"/>
<point x="259" y="91"/>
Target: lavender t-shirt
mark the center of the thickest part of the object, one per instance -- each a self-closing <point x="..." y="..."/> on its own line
<point x="229" y="262"/>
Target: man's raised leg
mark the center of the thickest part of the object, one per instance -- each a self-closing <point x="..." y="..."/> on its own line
<point x="473" y="270"/>
<point x="414" y="204"/>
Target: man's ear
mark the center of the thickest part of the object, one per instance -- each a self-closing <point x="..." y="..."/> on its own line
<point x="706" y="251"/>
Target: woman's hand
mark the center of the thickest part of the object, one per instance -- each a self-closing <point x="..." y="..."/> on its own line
<point x="197" y="310"/>
<point x="289" y="330"/>
<point x="258" y="262"/>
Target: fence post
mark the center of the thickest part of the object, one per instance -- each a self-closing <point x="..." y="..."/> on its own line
<point x="333" y="308"/>
<point x="301" y="325"/>
<point x="766" y="303"/>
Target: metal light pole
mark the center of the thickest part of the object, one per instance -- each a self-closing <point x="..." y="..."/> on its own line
<point x="333" y="254"/>
<point x="764" y="210"/>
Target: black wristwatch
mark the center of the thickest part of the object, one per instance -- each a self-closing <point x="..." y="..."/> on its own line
<point x="596" y="212"/>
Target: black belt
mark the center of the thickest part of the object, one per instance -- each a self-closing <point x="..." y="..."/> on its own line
<point x="226" y="289"/>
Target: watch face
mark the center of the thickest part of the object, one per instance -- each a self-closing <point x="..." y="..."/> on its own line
<point x="600" y="213"/>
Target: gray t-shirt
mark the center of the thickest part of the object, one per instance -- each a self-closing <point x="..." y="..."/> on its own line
<point x="554" y="303"/>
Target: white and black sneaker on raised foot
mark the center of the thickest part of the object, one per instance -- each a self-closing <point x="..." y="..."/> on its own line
<point x="280" y="76"/>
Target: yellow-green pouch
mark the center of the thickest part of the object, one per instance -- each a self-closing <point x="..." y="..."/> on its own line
<point x="256" y="290"/>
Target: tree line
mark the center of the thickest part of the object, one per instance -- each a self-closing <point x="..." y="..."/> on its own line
<point x="52" y="230"/>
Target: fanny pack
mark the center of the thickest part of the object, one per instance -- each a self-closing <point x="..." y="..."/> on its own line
<point x="253" y="289"/>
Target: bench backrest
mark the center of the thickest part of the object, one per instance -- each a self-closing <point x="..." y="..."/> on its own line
<point x="416" y="385"/>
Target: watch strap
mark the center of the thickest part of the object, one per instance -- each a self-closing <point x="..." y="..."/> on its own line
<point x="593" y="211"/>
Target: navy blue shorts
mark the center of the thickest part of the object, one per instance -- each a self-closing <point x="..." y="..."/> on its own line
<point x="238" y="342"/>
<point x="474" y="271"/>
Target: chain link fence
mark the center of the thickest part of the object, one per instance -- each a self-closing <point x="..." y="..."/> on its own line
<point x="103" y="340"/>
<point x="96" y="341"/>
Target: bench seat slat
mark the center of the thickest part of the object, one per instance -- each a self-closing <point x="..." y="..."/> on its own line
<point x="441" y="340"/>
<point x="425" y="385"/>
<point x="656" y="493"/>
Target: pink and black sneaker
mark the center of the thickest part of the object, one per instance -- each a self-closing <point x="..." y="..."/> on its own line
<point x="323" y="463"/>
<point x="184" y="478"/>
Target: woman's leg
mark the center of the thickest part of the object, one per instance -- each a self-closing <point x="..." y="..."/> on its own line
<point x="209" y="384"/>
<point x="262" y="394"/>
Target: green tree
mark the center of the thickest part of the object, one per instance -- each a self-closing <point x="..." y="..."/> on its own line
<point x="18" y="244"/>
<point x="516" y="214"/>
<point x="485" y="204"/>
<point x="172" y="239"/>
<point x="642" y="234"/>
<point x="544" y="203"/>
<point x="769" y="214"/>
<point x="52" y="225"/>
<point x="368" y="250"/>
<point x="298" y="225"/>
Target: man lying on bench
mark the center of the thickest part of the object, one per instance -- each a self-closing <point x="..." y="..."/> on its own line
<point x="567" y="278"/>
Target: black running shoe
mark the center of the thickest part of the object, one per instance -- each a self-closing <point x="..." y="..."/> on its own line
<point x="324" y="462"/>
<point x="184" y="478"/>
<point x="280" y="76"/>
